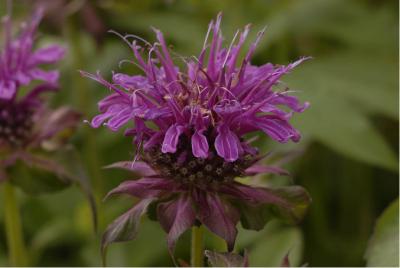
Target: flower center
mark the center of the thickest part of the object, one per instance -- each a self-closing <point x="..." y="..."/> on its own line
<point x="188" y="169"/>
<point x="15" y="124"/>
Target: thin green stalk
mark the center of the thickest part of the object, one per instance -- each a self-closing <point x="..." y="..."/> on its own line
<point x="13" y="227"/>
<point x="90" y="150"/>
<point x="197" y="249"/>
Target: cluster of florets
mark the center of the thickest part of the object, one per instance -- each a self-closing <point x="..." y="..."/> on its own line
<point x="15" y="124"/>
<point x="186" y="168"/>
<point x="189" y="128"/>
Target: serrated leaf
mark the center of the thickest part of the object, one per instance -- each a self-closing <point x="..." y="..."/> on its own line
<point x="383" y="248"/>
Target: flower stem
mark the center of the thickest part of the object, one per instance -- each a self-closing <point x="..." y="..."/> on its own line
<point x="197" y="247"/>
<point x="13" y="228"/>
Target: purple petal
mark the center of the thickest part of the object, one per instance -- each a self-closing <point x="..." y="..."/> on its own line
<point x="146" y="187"/>
<point x="176" y="217"/>
<point x="48" y="54"/>
<point x="7" y="89"/>
<point x="226" y="107"/>
<point x="258" y="169"/>
<point x="218" y="216"/>
<point x="99" y="119"/>
<point x="119" y="119"/>
<point x="269" y="108"/>
<point x="199" y="145"/>
<point x="138" y="167"/>
<point x="131" y="82"/>
<point x="48" y="76"/>
<point x="227" y="144"/>
<point x="290" y="101"/>
<point x="171" y="138"/>
<point x="253" y="194"/>
<point x="23" y="79"/>
<point x="277" y="128"/>
<point x="113" y="99"/>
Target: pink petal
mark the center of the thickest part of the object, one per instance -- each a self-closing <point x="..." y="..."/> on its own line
<point x="227" y="144"/>
<point x="48" y="54"/>
<point x="140" y="167"/>
<point x="171" y="138"/>
<point x="145" y="187"/>
<point x="199" y="145"/>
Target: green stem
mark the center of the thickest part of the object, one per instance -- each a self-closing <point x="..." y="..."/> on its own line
<point x="90" y="149"/>
<point x="13" y="227"/>
<point x="197" y="247"/>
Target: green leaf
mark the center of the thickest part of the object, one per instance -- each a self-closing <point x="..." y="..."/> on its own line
<point x="254" y="217"/>
<point x="297" y="200"/>
<point x="339" y="119"/>
<point x="383" y="248"/>
<point x="270" y="246"/>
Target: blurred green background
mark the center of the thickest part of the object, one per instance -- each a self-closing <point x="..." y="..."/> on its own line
<point x="347" y="159"/>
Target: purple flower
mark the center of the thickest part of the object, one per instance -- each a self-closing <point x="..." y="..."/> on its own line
<point x="217" y="95"/>
<point x="20" y="64"/>
<point x="26" y="123"/>
<point x="194" y="147"/>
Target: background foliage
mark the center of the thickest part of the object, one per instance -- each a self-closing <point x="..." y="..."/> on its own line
<point x="348" y="158"/>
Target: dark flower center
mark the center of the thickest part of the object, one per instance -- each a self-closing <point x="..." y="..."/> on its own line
<point x="183" y="166"/>
<point x="15" y="124"/>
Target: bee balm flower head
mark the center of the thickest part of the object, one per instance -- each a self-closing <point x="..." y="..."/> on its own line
<point x="25" y="120"/>
<point x="196" y="149"/>
<point x="20" y="63"/>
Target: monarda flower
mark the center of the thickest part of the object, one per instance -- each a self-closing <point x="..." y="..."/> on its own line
<point x="27" y="124"/>
<point x="20" y="64"/>
<point x="189" y="131"/>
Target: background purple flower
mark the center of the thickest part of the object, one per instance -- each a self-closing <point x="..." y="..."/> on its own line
<point x="20" y="63"/>
<point x="26" y="122"/>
